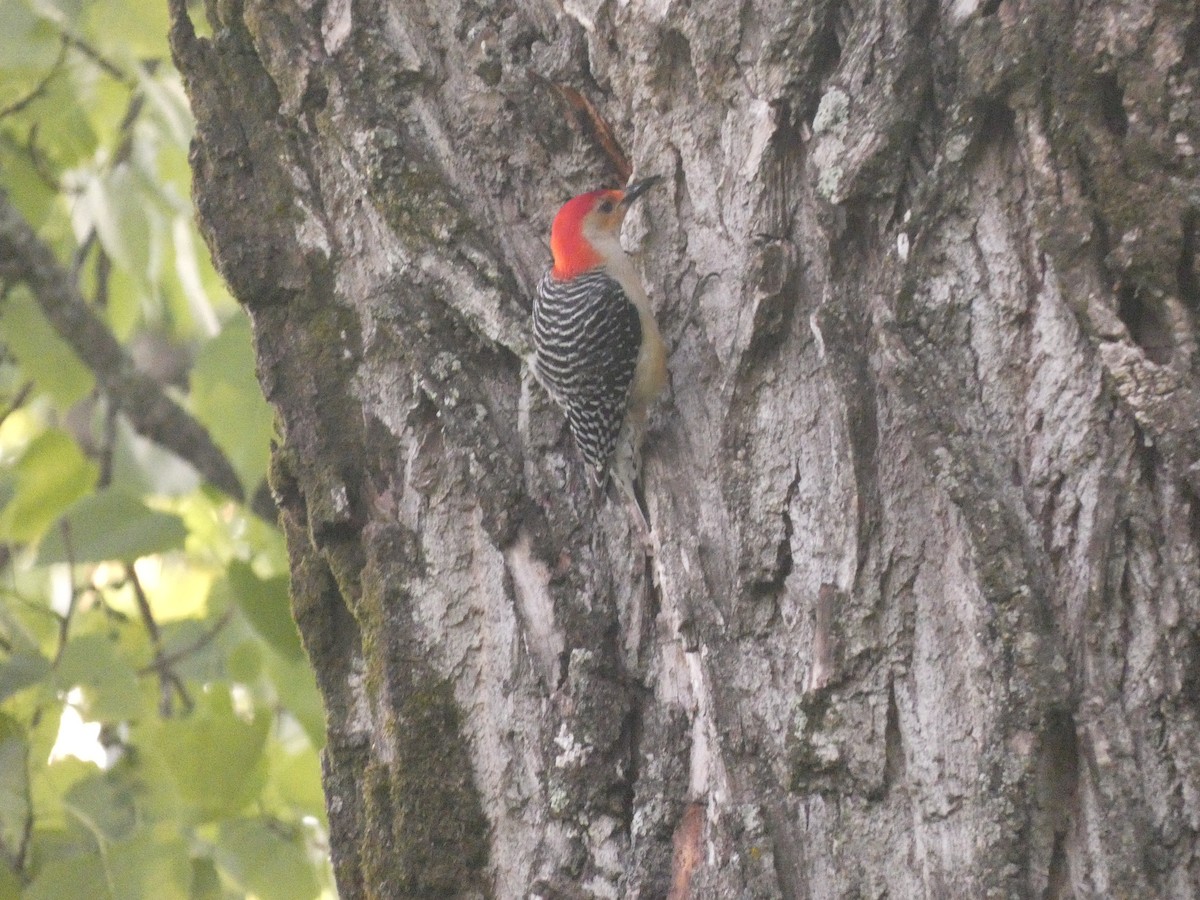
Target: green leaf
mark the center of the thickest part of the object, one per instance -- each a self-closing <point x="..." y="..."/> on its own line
<point x="265" y="604"/>
<point x="117" y="207"/>
<point x="130" y="28"/>
<point x="127" y="302"/>
<point x="69" y="878"/>
<point x="41" y="353"/>
<point x="21" y="670"/>
<point x="64" y="132"/>
<point x="264" y="862"/>
<point x="245" y="661"/>
<point x="166" y="98"/>
<point x="104" y="806"/>
<point x="227" y="398"/>
<point x="62" y="12"/>
<point x="292" y="783"/>
<point x="49" y="783"/>
<point x="28" y="626"/>
<point x="151" y="867"/>
<point x="141" y="869"/>
<point x="186" y="267"/>
<point x="52" y="474"/>
<point x="10" y="884"/>
<point x="297" y="688"/>
<point x="143" y="465"/>
<point x="105" y="101"/>
<point x="202" y="658"/>
<point x="158" y="803"/>
<point x="216" y="756"/>
<point x="214" y="285"/>
<point x="14" y="787"/>
<point x="206" y="883"/>
<point x="26" y="188"/>
<point x="112" y="524"/>
<point x="109" y="682"/>
<point x="26" y="43"/>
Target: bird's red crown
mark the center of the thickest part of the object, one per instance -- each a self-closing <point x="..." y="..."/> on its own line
<point x="573" y="252"/>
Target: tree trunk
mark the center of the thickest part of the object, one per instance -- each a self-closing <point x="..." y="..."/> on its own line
<point x="925" y="616"/>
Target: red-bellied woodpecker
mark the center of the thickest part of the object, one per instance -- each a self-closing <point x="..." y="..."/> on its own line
<point x="598" y="351"/>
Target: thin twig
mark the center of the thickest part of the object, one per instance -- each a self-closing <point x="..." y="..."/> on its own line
<point x="81" y="253"/>
<point x="108" y="445"/>
<point x="37" y="607"/>
<point x="103" y="270"/>
<point x="143" y="605"/>
<point x="17" y="401"/>
<point x="169" y="659"/>
<point x="39" y="89"/>
<point x="125" y="148"/>
<point x="42" y="166"/>
<point x="169" y="680"/>
<point x="27" y="826"/>
<point x="64" y="622"/>
<point x="77" y="43"/>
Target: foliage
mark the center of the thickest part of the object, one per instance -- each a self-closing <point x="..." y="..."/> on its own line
<point x="159" y="727"/>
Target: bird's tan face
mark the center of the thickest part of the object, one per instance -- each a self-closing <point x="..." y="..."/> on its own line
<point x="587" y="229"/>
<point x="602" y="224"/>
<point x="606" y="216"/>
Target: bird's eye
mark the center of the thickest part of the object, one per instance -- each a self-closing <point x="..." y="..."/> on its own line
<point x="606" y="206"/>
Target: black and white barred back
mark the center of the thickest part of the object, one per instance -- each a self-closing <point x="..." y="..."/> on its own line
<point x="587" y="336"/>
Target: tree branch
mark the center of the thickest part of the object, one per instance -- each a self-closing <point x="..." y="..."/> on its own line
<point x="154" y="415"/>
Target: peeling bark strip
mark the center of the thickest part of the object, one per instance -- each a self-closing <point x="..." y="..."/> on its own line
<point x="593" y="124"/>
<point x="926" y="620"/>
<point x="689" y="851"/>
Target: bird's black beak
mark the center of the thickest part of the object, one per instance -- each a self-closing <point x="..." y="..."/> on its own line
<point x="637" y="188"/>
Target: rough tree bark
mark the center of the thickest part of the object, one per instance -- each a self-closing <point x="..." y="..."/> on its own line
<point x="924" y="622"/>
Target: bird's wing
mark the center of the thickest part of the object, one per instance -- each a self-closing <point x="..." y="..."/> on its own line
<point x="588" y="337"/>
